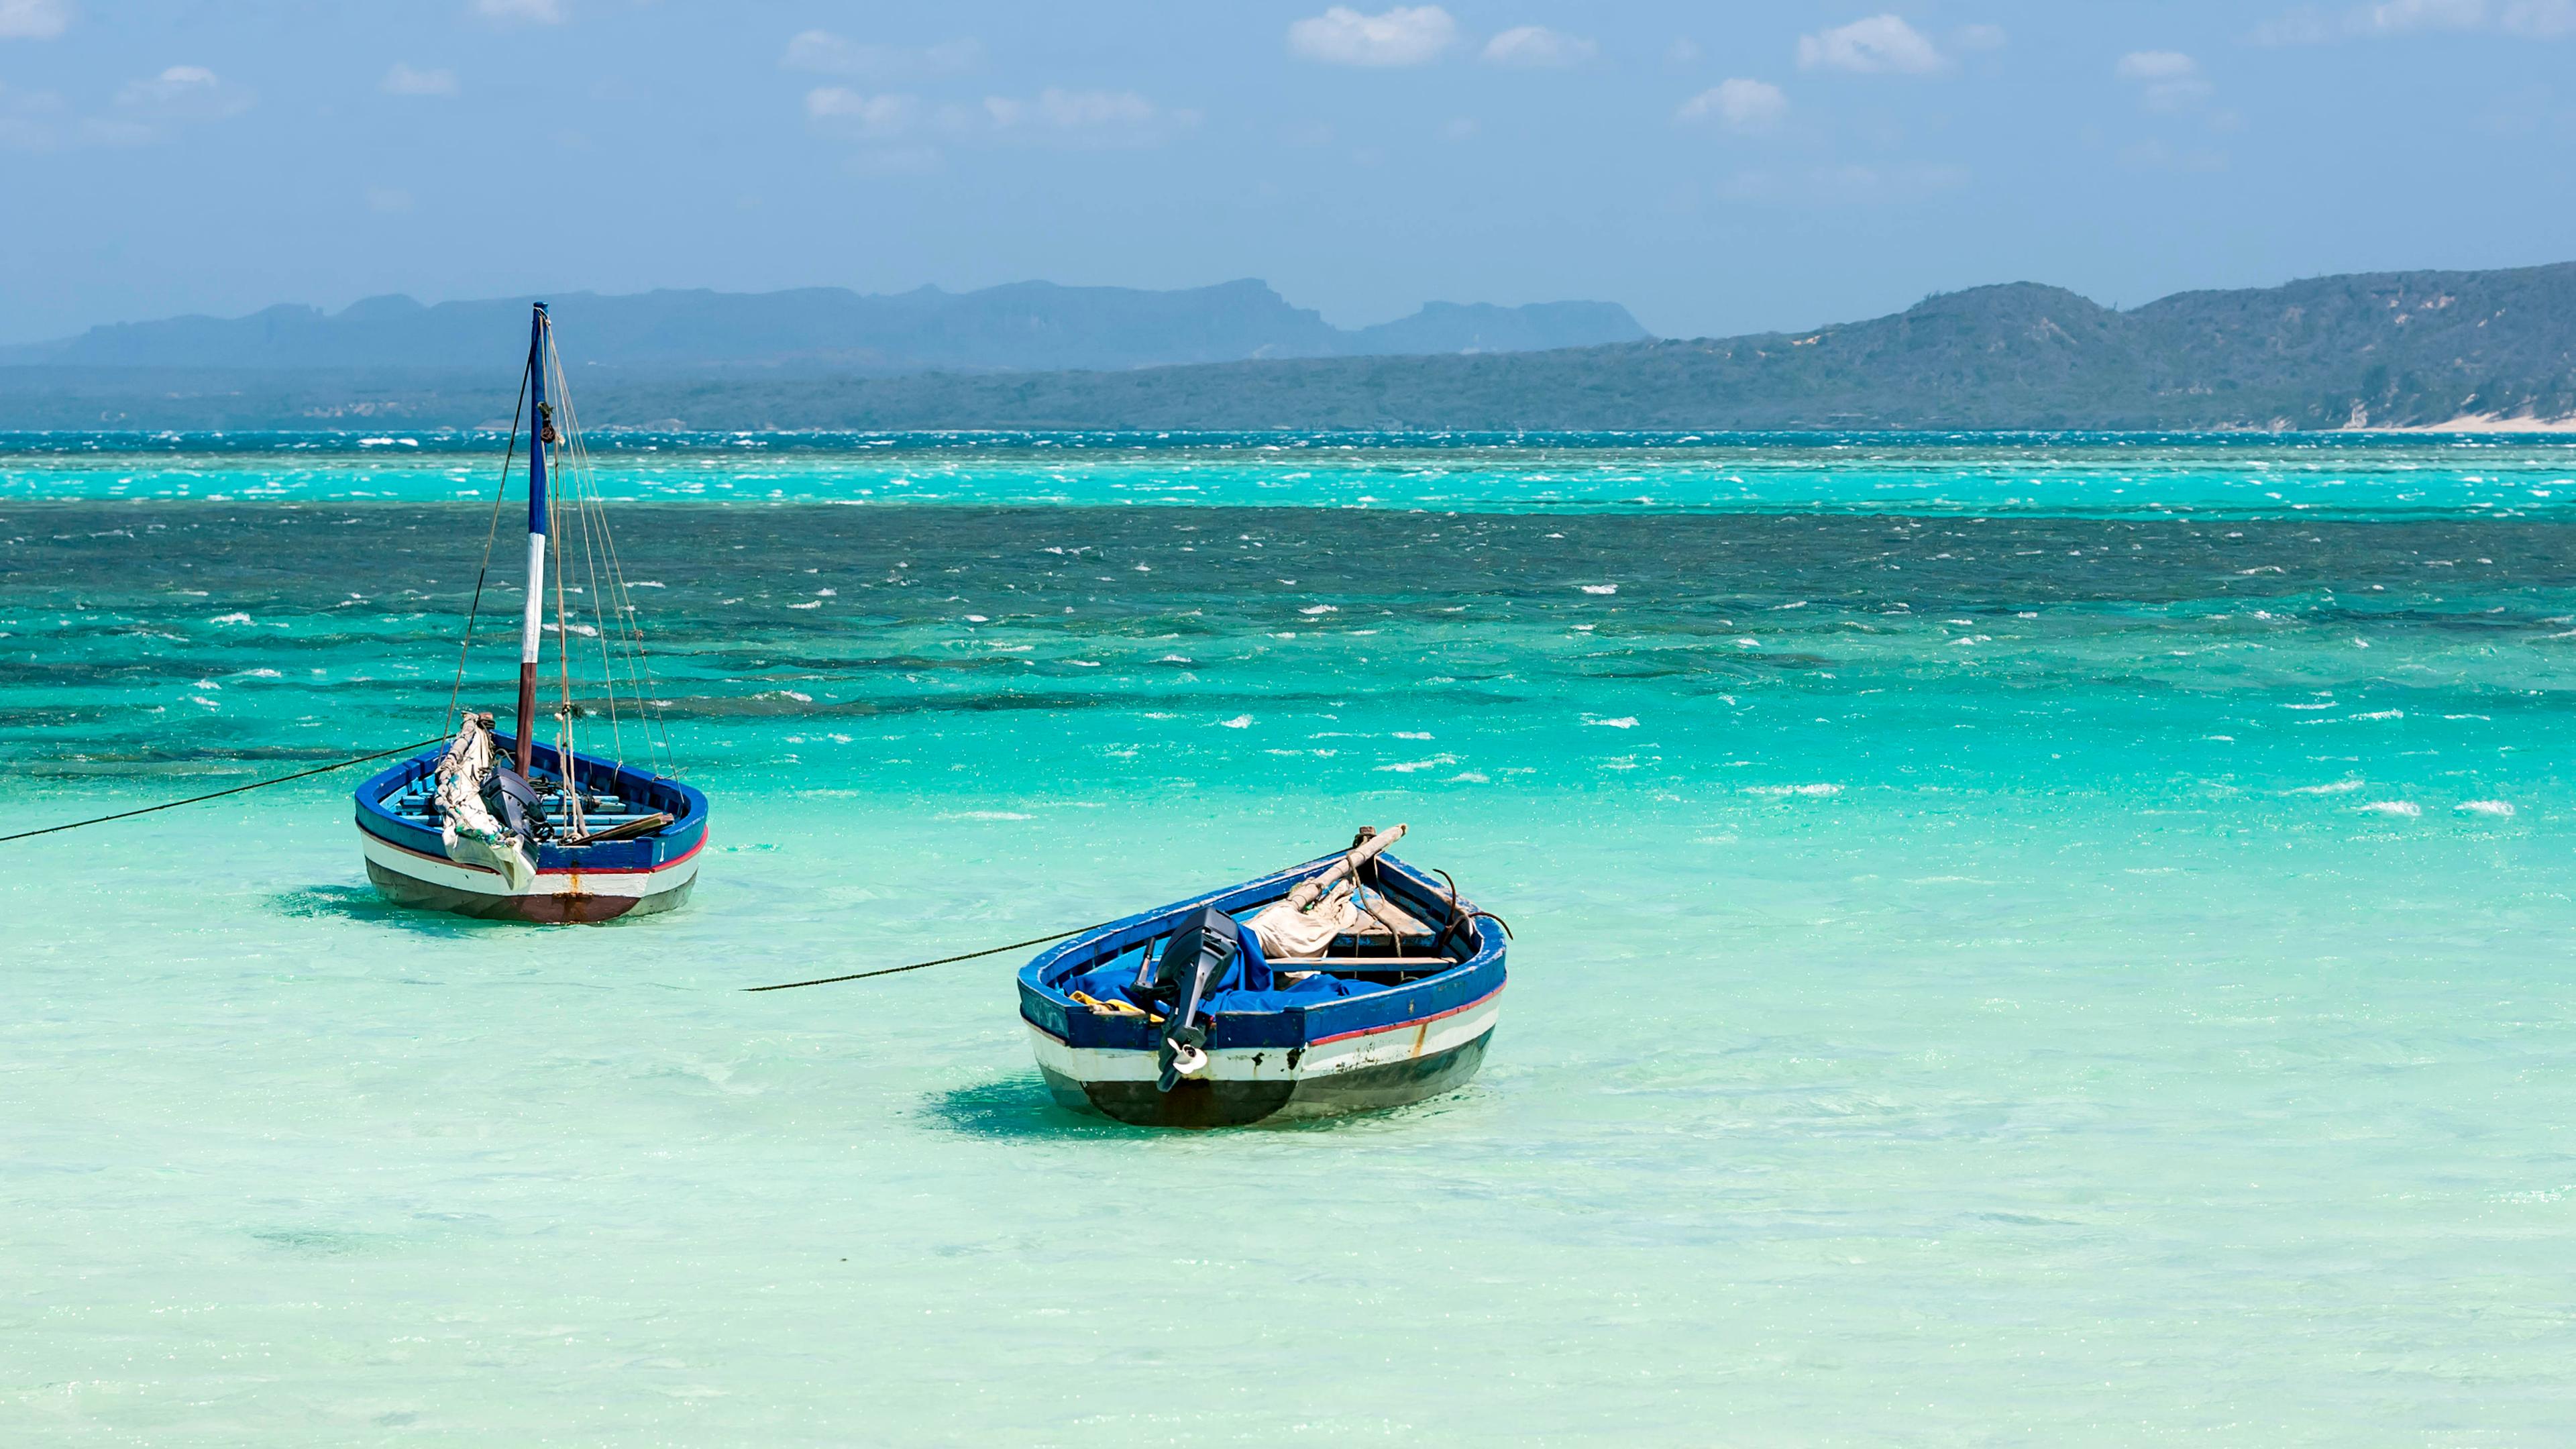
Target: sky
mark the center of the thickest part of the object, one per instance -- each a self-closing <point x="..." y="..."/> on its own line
<point x="1718" y="168"/>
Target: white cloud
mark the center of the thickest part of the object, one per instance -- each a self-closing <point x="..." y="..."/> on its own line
<point x="1879" y="44"/>
<point x="2304" y="26"/>
<point x="1404" y="35"/>
<point x="1073" y="118"/>
<point x="34" y="19"/>
<point x="1979" y="37"/>
<point x="2396" y="17"/>
<point x="2541" y="19"/>
<point x="841" y="111"/>
<point x="183" y="93"/>
<point x="2155" y="65"/>
<point x="2167" y="80"/>
<point x="402" y="80"/>
<point x="145" y="111"/>
<point x="1054" y="116"/>
<point x="1739" y="104"/>
<point x="531" y="12"/>
<point x="821" y="50"/>
<point x="1538" y="46"/>
<point x="2531" y="19"/>
<point x="1073" y="110"/>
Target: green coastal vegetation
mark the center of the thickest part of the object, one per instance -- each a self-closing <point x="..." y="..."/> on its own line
<point x="2391" y="349"/>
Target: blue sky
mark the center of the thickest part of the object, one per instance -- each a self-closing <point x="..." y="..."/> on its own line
<point x="1718" y="168"/>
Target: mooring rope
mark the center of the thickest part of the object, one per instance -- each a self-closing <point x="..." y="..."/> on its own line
<point x="235" y="790"/>
<point x="925" y="965"/>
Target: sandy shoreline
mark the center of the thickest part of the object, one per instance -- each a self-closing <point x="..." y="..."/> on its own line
<point x="2479" y="423"/>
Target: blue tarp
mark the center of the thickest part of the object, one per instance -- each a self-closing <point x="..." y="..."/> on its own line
<point x="1247" y="985"/>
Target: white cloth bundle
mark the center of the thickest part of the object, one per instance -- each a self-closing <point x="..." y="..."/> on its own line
<point x="1288" y="934"/>
<point x="465" y="824"/>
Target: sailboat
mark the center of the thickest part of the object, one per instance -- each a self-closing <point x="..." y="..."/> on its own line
<point x="508" y="827"/>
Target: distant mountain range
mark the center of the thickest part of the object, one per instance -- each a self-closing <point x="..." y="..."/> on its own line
<point x="1028" y="326"/>
<point x="2376" y="350"/>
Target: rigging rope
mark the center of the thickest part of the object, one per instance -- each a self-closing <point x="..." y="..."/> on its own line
<point x="923" y="965"/>
<point x="615" y="617"/>
<point x="235" y="790"/>
<point x="491" y="533"/>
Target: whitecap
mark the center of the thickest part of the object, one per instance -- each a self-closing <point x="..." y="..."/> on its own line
<point x="1784" y="790"/>
<point x="2339" y="787"/>
<point x="2500" y="808"/>
<point x="2403" y="809"/>
<point x="1600" y="588"/>
<point x="1624" y="722"/>
<point x="1239" y="722"/>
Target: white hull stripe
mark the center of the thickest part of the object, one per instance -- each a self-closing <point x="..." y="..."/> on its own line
<point x="483" y="881"/>
<point x="1401" y="1042"/>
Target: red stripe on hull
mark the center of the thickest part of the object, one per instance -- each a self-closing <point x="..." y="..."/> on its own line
<point x="551" y="909"/>
<point x="1416" y="1021"/>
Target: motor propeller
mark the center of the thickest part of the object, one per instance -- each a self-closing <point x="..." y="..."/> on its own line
<point x="1179" y="981"/>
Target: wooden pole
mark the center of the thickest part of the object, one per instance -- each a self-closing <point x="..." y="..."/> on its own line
<point x="1310" y="891"/>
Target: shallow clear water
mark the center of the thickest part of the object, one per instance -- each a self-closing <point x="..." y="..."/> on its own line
<point x="2041" y="974"/>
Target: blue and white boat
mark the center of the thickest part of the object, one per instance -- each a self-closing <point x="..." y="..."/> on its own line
<point x="511" y="827"/>
<point x="1349" y="983"/>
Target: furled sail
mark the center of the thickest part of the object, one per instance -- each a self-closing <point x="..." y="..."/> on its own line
<point x="467" y="827"/>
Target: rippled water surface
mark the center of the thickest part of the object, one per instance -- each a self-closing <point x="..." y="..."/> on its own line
<point x="1999" y="959"/>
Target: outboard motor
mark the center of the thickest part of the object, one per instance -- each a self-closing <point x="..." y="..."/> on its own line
<point x="513" y="802"/>
<point x="1179" y="983"/>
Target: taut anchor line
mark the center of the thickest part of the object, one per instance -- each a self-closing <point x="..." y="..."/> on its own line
<point x="924" y="965"/>
<point x="219" y="794"/>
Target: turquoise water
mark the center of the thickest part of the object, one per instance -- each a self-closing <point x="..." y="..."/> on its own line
<point x="1998" y="960"/>
<point x="2375" y="475"/>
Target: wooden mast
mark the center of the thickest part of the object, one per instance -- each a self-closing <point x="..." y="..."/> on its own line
<point x="531" y="621"/>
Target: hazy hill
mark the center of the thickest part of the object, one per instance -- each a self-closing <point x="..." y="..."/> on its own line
<point x="1023" y="327"/>
<point x="2382" y="349"/>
